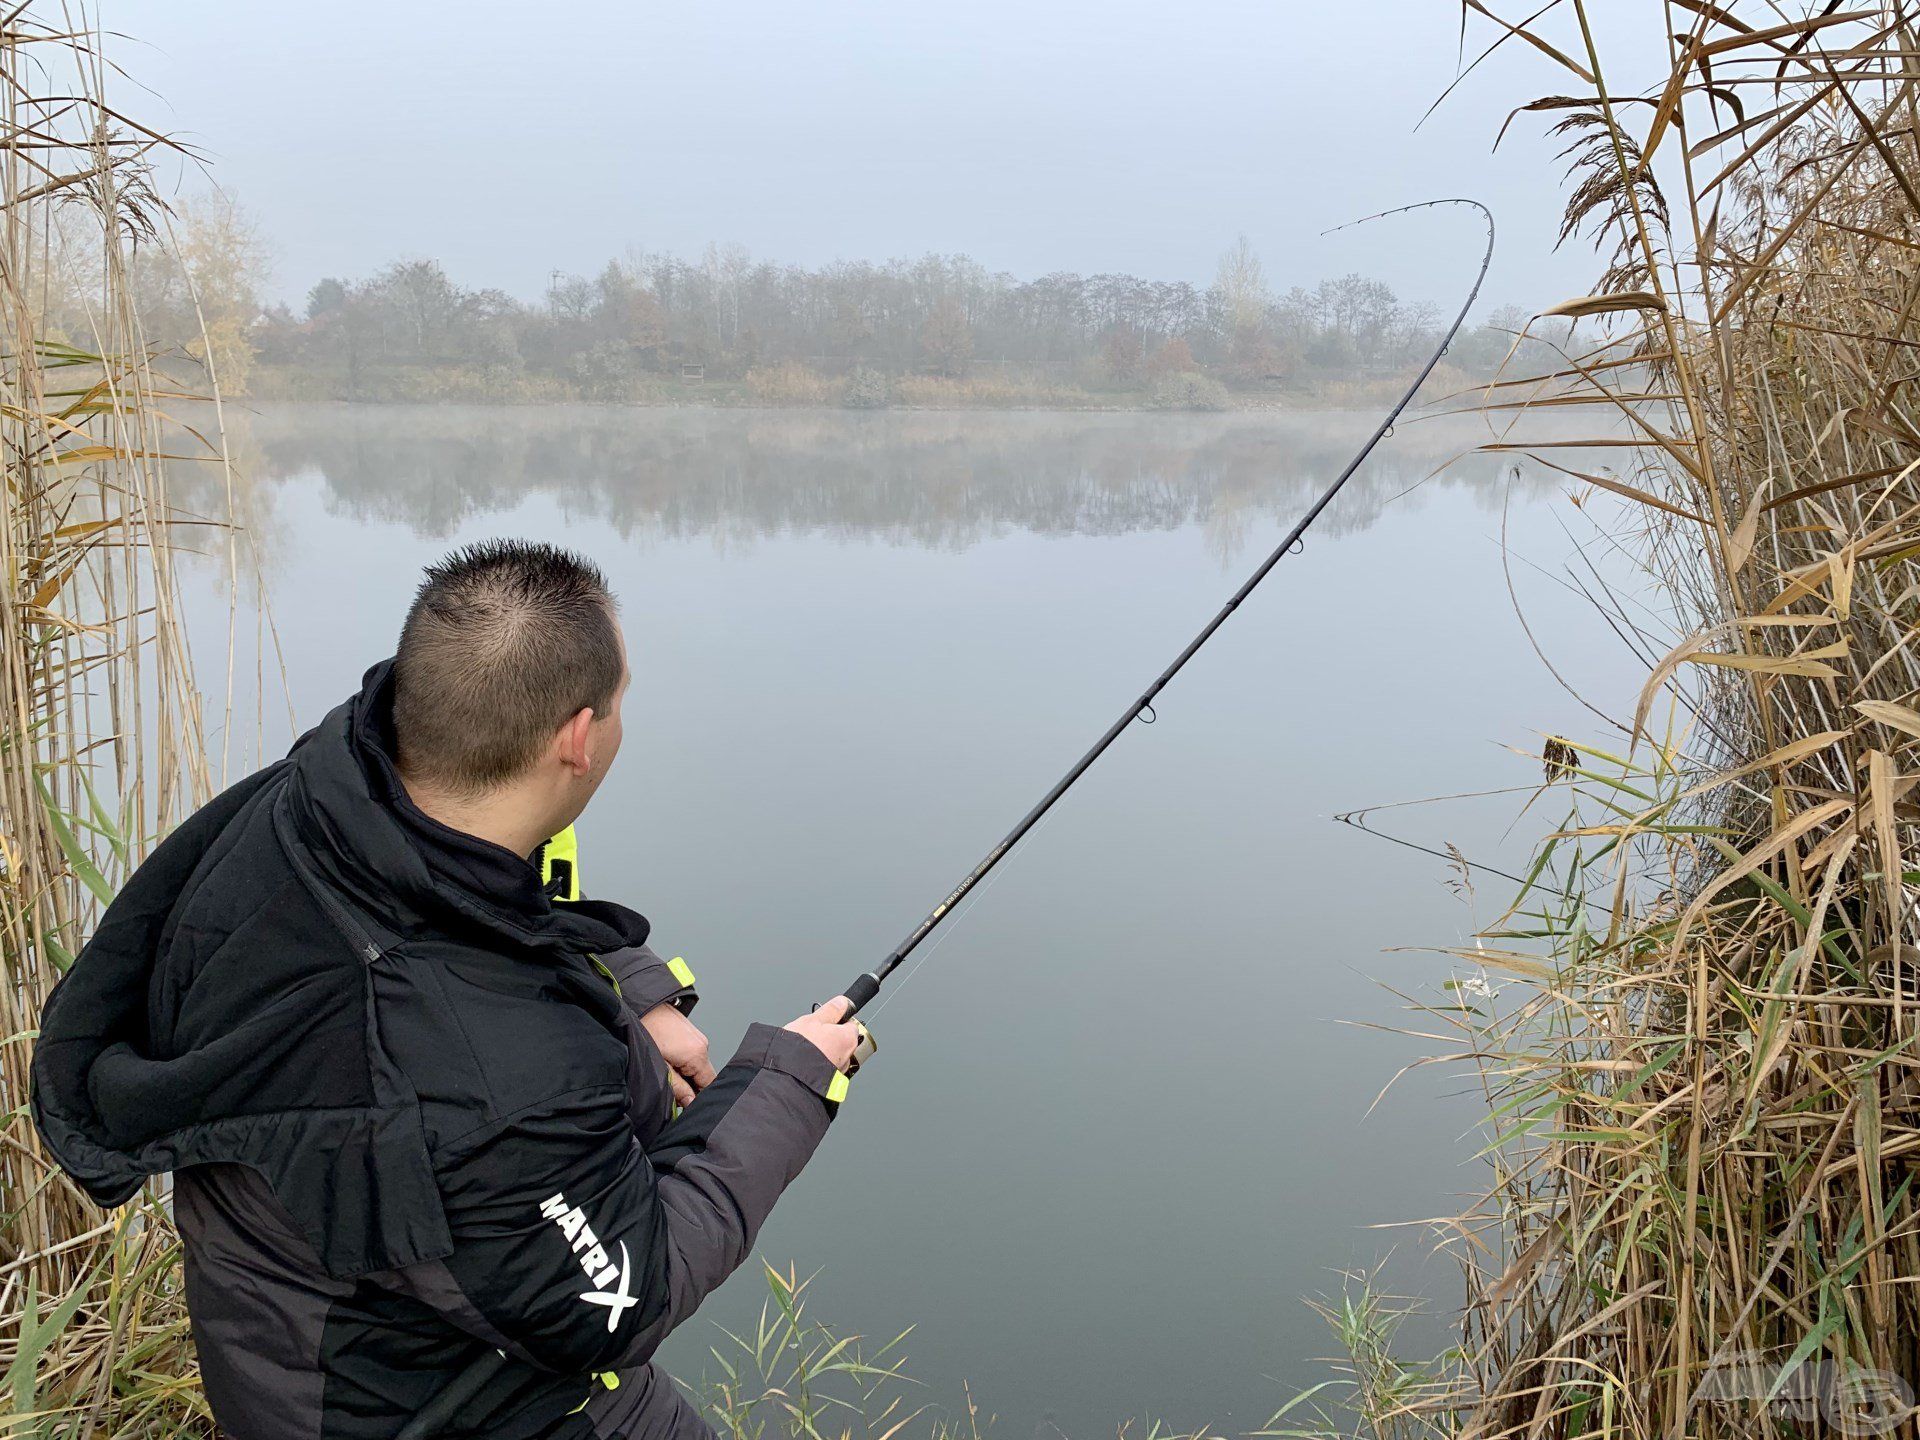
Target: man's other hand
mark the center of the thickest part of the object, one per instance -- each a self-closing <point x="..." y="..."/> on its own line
<point x="832" y="1035"/>
<point x="682" y="1045"/>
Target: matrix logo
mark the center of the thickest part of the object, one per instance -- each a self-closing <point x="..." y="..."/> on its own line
<point x="593" y="1260"/>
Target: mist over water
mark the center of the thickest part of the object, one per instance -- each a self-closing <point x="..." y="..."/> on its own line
<point x="1119" y="1125"/>
<point x="945" y="480"/>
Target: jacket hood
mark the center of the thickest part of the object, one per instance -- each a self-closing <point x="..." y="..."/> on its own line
<point x="96" y="1029"/>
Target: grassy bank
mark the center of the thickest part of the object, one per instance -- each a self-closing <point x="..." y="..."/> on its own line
<point x="796" y="386"/>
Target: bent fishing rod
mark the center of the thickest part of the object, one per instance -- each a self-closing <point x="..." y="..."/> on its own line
<point x="441" y="1409"/>
<point x="862" y="990"/>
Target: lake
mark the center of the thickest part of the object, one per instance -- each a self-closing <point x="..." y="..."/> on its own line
<point x="1122" y="1123"/>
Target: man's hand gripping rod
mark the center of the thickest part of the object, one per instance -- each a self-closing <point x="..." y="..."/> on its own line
<point x="868" y="985"/>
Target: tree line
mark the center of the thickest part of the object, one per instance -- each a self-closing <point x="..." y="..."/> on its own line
<point x="653" y="327"/>
<point x="853" y="330"/>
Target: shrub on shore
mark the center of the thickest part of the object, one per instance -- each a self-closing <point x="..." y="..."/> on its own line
<point x="1190" y="390"/>
<point x="866" y="390"/>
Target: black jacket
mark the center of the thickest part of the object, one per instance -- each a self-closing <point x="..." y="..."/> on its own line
<point x="412" y="1114"/>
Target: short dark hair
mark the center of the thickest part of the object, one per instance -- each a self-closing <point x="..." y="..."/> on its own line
<point x="505" y="640"/>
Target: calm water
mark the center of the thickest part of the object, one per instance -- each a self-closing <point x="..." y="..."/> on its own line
<point x="1118" y="1128"/>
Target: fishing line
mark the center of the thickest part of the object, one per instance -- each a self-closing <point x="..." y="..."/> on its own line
<point x="1356" y="819"/>
<point x="867" y="986"/>
<point x="947" y="933"/>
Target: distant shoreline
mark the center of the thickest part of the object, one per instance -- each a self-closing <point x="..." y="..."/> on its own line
<point x="910" y="394"/>
<point x="1306" y="405"/>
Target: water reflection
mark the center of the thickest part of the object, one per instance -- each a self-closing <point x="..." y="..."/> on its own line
<point x="827" y="732"/>
<point x="943" y="480"/>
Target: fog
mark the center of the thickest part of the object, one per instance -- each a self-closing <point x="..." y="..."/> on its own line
<point x="509" y="143"/>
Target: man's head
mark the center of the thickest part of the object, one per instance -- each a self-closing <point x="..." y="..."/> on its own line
<point x="508" y="679"/>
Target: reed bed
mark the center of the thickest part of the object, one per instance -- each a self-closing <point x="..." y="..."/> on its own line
<point x="1696" y="1027"/>
<point x="102" y="720"/>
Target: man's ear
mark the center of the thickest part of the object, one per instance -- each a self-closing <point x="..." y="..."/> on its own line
<point x="576" y="745"/>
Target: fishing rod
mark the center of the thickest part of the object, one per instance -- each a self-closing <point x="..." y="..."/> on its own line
<point x="441" y="1409"/>
<point x="868" y="985"/>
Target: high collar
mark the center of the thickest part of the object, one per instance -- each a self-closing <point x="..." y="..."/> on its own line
<point x="350" y="804"/>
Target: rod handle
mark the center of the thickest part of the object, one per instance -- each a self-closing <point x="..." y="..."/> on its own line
<point x="860" y="992"/>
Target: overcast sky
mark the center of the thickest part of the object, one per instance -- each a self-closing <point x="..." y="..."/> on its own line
<point x="509" y="140"/>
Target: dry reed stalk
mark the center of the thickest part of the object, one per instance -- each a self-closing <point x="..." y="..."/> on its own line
<point x="100" y="714"/>
<point x="1697" y="1026"/>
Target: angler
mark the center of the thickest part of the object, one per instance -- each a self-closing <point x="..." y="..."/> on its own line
<point x="416" y="1092"/>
